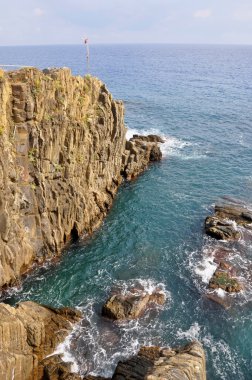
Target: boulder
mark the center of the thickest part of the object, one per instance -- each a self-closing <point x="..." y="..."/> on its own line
<point x="223" y="278"/>
<point x="221" y="229"/>
<point x="132" y="305"/>
<point x="151" y="363"/>
<point x="222" y="225"/>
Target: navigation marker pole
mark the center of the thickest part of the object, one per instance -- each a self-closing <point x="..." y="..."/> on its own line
<point x="87" y="54"/>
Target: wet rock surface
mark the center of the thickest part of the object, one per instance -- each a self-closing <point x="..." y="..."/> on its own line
<point x="223" y="224"/>
<point x="187" y="363"/>
<point x="131" y="305"/>
<point x="55" y="369"/>
<point x="30" y="332"/>
<point x="224" y="278"/>
<point x="227" y="254"/>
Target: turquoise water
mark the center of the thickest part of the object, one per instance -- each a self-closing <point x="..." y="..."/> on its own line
<point x="200" y="99"/>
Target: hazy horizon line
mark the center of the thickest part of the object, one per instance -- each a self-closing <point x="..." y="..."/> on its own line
<point x="135" y="43"/>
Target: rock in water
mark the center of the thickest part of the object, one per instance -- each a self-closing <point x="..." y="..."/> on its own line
<point x="130" y="306"/>
<point x="223" y="279"/>
<point x="222" y="225"/>
<point x="221" y="229"/>
<point x="155" y="363"/>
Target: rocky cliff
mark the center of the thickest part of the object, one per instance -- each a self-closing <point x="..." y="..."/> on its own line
<point x="62" y="156"/>
<point x="28" y="333"/>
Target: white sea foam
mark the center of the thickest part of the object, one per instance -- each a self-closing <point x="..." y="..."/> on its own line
<point x="193" y="333"/>
<point x="103" y="343"/>
<point x="145" y="132"/>
<point x="220" y="292"/>
<point x="64" y="349"/>
<point x="206" y="268"/>
<point x="172" y="146"/>
<point x="225" y="360"/>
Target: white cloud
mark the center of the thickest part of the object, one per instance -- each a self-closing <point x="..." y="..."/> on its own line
<point x="38" y="12"/>
<point x="202" y="13"/>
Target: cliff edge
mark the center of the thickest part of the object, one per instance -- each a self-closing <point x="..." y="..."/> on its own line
<point x="63" y="153"/>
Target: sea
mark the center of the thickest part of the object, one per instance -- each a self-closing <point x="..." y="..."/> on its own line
<point x="199" y="98"/>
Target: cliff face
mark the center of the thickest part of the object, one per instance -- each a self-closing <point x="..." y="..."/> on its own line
<point x="62" y="139"/>
<point x="28" y="333"/>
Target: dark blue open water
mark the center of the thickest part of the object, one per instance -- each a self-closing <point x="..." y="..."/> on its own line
<point x="201" y="98"/>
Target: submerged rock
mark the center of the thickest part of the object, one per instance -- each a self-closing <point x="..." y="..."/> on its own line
<point x="131" y="306"/>
<point x="222" y="225"/>
<point x="30" y="332"/>
<point x="151" y="363"/>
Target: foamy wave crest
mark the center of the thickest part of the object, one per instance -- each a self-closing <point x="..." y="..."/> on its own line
<point x="206" y="268"/>
<point x="144" y="132"/>
<point x="147" y="286"/>
<point x="172" y="146"/>
<point x="103" y="342"/>
<point x="65" y="350"/>
<point x="193" y="333"/>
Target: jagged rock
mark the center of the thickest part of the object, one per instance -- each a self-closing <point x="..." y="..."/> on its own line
<point x="30" y="332"/>
<point x="132" y="305"/>
<point x="221" y="229"/>
<point x="149" y="138"/>
<point x="223" y="278"/>
<point x="139" y="152"/>
<point x="62" y="154"/>
<point x="151" y="363"/>
<point x="55" y="369"/>
<point x="222" y="226"/>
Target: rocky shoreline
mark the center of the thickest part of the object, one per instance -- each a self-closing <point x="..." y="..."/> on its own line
<point x="63" y="156"/>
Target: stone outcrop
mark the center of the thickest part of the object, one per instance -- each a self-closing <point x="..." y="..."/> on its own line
<point x="55" y="369"/>
<point x="139" y="152"/>
<point x="224" y="278"/>
<point x="153" y="363"/>
<point x="28" y="333"/>
<point x="222" y="225"/>
<point x="62" y="155"/>
<point x="131" y="305"/>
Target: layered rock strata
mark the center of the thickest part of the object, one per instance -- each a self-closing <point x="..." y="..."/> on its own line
<point x="139" y="152"/>
<point x="62" y="156"/>
<point x="28" y="333"/>
<point x="153" y="363"/>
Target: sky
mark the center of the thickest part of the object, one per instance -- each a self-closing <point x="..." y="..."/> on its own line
<point x="42" y="22"/>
